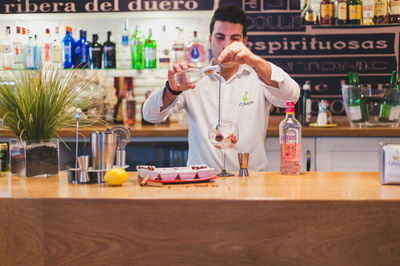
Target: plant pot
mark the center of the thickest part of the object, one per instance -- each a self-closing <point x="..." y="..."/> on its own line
<point x="34" y="158"/>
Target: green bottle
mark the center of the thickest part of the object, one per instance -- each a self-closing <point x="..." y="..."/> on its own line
<point x="390" y="108"/>
<point x="137" y="49"/>
<point x="150" y="52"/>
<point x="357" y="105"/>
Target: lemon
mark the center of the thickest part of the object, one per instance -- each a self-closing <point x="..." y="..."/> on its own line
<point x="116" y="176"/>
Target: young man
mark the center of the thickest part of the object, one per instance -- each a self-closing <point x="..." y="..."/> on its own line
<point x="250" y="85"/>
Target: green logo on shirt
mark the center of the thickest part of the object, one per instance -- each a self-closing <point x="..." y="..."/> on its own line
<point x="245" y="99"/>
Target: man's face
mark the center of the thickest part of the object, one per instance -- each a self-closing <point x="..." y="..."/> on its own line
<point x="224" y="34"/>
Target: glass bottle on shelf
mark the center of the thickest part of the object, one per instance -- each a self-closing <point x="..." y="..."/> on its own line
<point x="124" y="60"/>
<point x="56" y="55"/>
<point x="368" y="8"/>
<point x="137" y="49"/>
<point x="81" y="51"/>
<point x="37" y="53"/>
<point x="355" y="11"/>
<point x="29" y="60"/>
<point x="109" y="52"/>
<point x="326" y="12"/>
<point x="46" y="48"/>
<point x="150" y="51"/>
<point x="18" y="50"/>
<point x="6" y="50"/>
<point x="390" y="108"/>
<point x="340" y="12"/>
<point x="306" y="104"/>
<point x="290" y="142"/>
<point x="357" y="105"/>
<point x="309" y="16"/>
<point x="394" y="11"/>
<point x="95" y="53"/>
<point x="195" y="52"/>
<point x="67" y="48"/>
<point x="129" y="108"/>
<point x="178" y="48"/>
<point x="164" y="49"/>
<point x="381" y="12"/>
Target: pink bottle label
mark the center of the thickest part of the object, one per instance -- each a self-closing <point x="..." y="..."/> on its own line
<point x="291" y="152"/>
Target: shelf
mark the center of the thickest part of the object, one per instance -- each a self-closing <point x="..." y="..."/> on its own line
<point x="351" y="26"/>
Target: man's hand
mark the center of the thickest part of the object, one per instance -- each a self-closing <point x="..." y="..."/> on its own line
<point x="171" y="73"/>
<point x="238" y="52"/>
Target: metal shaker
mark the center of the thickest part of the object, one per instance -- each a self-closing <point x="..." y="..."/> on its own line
<point x="103" y="146"/>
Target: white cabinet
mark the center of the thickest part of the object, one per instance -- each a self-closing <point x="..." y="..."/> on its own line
<point x="354" y="154"/>
<point x="272" y="147"/>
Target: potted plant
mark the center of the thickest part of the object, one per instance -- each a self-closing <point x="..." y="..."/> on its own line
<point x="34" y="104"/>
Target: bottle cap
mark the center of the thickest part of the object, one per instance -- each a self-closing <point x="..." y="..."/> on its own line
<point x="290" y="107"/>
<point x="68" y="29"/>
<point x="307" y="86"/>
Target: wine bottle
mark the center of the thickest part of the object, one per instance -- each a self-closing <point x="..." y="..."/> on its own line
<point x="357" y="105"/>
<point x="67" y="48"/>
<point x="109" y="52"/>
<point x="394" y="11"/>
<point x="326" y="11"/>
<point x="390" y="108"/>
<point x="137" y="49"/>
<point x="95" y="53"/>
<point x="309" y="16"/>
<point x="81" y="51"/>
<point x="381" y="12"/>
<point x="368" y="8"/>
<point x="355" y="14"/>
<point x="150" y="51"/>
<point x="340" y="12"/>
<point x="306" y="104"/>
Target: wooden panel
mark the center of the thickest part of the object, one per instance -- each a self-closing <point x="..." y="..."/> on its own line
<point x="21" y="235"/>
<point x="203" y="232"/>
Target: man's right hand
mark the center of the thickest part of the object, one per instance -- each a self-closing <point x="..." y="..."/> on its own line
<point x="171" y="73"/>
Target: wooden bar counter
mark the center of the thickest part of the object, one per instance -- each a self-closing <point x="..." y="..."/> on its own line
<point x="317" y="218"/>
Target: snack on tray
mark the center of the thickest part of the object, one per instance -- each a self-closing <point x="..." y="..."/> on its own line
<point x="173" y="173"/>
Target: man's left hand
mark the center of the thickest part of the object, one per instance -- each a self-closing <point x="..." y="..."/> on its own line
<point x="237" y="52"/>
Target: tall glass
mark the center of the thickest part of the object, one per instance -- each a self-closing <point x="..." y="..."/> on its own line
<point x="224" y="136"/>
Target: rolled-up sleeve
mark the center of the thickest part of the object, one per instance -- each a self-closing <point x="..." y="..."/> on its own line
<point x="152" y="105"/>
<point x="288" y="89"/>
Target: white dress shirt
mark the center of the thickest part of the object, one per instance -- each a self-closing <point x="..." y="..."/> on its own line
<point x="245" y="100"/>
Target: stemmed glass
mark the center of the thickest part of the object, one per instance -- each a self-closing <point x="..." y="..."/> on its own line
<point x="223" y="136"/>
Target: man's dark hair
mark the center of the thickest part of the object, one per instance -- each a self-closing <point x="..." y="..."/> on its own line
<point x="230" y="13"/>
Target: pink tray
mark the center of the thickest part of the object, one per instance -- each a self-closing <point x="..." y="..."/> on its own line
<point x="177" y="181"/>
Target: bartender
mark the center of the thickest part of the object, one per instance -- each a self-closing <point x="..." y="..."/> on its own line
<point x="250" y="86"/>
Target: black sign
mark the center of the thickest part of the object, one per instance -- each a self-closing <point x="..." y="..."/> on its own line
<point x="279" y="21"/>
<point x="78" y="6"/>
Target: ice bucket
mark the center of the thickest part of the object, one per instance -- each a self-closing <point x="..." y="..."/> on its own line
<point x="370" y="107"/>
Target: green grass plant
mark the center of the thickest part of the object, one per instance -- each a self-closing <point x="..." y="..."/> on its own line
<point x="41" y="101"/>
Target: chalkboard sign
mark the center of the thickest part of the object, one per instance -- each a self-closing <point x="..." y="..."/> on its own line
<point x="320" y="54"/>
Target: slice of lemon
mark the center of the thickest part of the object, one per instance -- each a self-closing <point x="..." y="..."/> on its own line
<point x="116" y="176"/>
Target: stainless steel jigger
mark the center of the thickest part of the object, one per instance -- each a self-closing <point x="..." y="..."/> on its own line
<point x="83" y="162"/>
<point x="243" y="163"/>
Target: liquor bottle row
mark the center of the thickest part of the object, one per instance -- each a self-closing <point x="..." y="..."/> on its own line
<point x="21" y="50"/>
<point x="340" y="12"/>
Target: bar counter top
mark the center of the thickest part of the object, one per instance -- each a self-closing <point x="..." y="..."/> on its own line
<point x="317" y="218"/>
<point x="176" y="130"/>
<point x="268" y="186"/>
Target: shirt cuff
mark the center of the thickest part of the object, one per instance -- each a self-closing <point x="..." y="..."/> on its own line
<point x="159" y="100"/>
<point x="277" y="73"/>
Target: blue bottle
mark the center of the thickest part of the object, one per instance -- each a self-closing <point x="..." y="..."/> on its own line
<point x="67" y="49"/>
<point x="81" y="51"/>
<point x="37" y="53"/>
